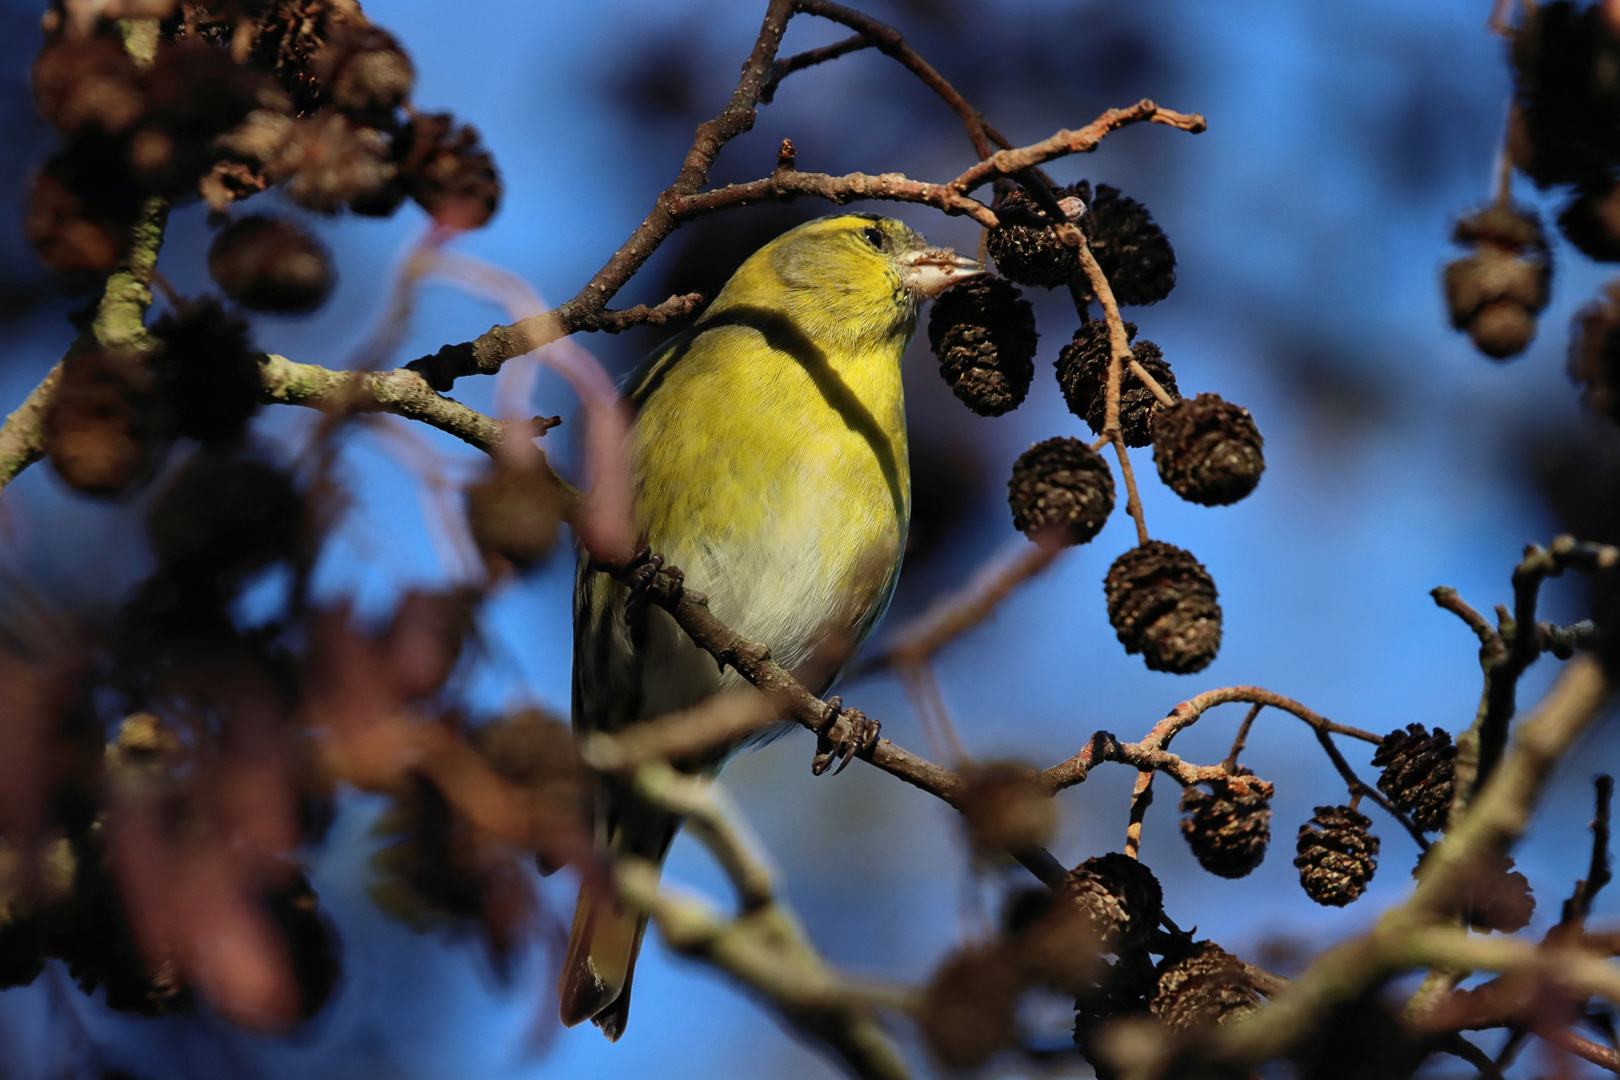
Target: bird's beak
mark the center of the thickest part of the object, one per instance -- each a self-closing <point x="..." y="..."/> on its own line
<point x="927" y="272"/>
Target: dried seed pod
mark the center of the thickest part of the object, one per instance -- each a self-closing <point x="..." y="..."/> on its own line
<point x="969" y="1010"/>
<point x="82" y="207"/>
<point x="1594" y="353"/>
<point x="289" y="36"/>
<point x="1119" y="896"/>
<point x="1061" y="486"/>
<point x="327" y="160"/>
<point x="194" y="94"/>
<point x="1567" y="97"/>
<point x="1131" y="250"/>
<point x="983" y="332"/>
<point x="512" y="512"/>
<point x="1494" y="896"/>
<point x="1025" y="248"/>
<point x="209" y="371"/>
<point x="1419" y="773"/>
<point x="1161" y="602"/>
<point x="87" y="81"/>
<point x="224" y="518"/>
<point x="271" y="264"/>
<point x="1202" y="985"/>
<point x="445" y="169"/>
<point x="364" y="71"/>
<point x="1207" y="450"/>
<point x="1228" y="830"/>
<point x="1082" y="373"/>
<point x="1007" y="808"/>
<point x="1591" y="221"/>
<point x="1336" y="855"/>
<point x="105" y="422"/>
<point x="1496" y="292"/>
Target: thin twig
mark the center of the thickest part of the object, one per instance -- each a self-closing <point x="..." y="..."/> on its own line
<point x="781" y="69"/>
<point x="1242" y="739"/>
<point x="1141" y="799"/>
<point x="958" y="612"/>
<point x="1164" y="397"/>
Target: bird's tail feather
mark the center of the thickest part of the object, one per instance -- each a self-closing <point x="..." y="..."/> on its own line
<point x="606" y="938"/>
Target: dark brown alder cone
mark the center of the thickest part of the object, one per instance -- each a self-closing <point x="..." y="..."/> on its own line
<point x="1025" y="248"/>
<point x="1494" y="896"/>
<point x="512" y="512"/>
<point x="82" y="206"/>
<point x="1591" y="221"/>
<point x="1082" y="373"/>
<point x="1594" y="353"/>
<point x="983" y="333"/>
<point x="87" y="81"/>
<point x="1131" y="250"/>
<point x="1207" y="450"/>
<point x="222" y="519"/>
<point x="1119" y="897"/>
<point x="1336" y="855"/>
<point x="105" y="423"/>
<point x="1007" y="808"/>
<point x="271" y="264"/>
<point x="364" y="72"/>
<point x="1063" y="486"/>
<point x="969" y="1009"/>
<point x="1419" y="773"/>
<point x="1161" y="602"/>
<point x="1496" y="293"/>
<point x="1567" y="101"/>
<point x="327" y="160"/>
<point x="445" y="169"/>
<point x="1202" y="985"/>
<point x="1228" y="830"/>
<point x="209" y="372"/>
<point x="288" y="37"/>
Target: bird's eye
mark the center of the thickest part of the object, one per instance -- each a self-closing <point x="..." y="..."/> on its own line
<point x="875" y="236"/>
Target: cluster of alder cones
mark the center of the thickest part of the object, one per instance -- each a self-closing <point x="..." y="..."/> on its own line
<point x="1561" y="135"/>
<point x="1161" y="600"/>
<point x="1098" y="937"/>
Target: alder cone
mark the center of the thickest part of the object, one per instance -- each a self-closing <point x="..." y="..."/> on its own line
<point x="1591" y="221"/>
<point x="1201" y="986"/>
<point x="1121" y="899"/>
<point x="1494" y="896"/>
<point x="271" y="264"/>
<point x="223" y="518"/>
<point x="1024" y="246"/>
<point x="969" y="1009"/>
<point x="1007" y="808"/>
<point x="364" y="71"/>
<point x="1419" y="773"/>
<point x="1228" y="829"/>
<point x="447" y="171"/>
<point x="512" y="512"/>
<point x="1082" y="374"/>
<point x="1337" y="855"/>
<point x="1130" y="248"/>
<point x="1567" y="101"/>
<point x="983" y="333"/>
<point x="1207" y="450"/>
<point x="1063" y="486"/>
<point x="209" y="372"/>
<point x="1496" y="292"/>
<point x="1594" y="353"/>
<point x="1161" y="602"/>
<point x="105" y="422"/>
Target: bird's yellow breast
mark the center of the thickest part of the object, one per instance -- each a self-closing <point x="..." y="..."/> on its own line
<point x="772" y="469"/>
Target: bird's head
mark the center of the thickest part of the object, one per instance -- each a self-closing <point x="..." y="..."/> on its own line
<point x="849" y="274"/>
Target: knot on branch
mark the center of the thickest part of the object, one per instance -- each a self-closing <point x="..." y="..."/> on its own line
<point x="443" y="368"/>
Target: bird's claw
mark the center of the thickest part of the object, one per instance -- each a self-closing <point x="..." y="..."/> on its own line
<point x="848" y="734"/>
<point x="648" y="579"/>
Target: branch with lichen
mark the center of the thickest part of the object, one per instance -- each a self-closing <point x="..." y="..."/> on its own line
<point x="764" y="946"/>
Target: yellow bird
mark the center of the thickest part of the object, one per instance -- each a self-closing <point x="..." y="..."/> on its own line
<point x="769" y="462"/>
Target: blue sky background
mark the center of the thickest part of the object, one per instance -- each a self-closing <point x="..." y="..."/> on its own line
<point x="1309" y="221"/>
